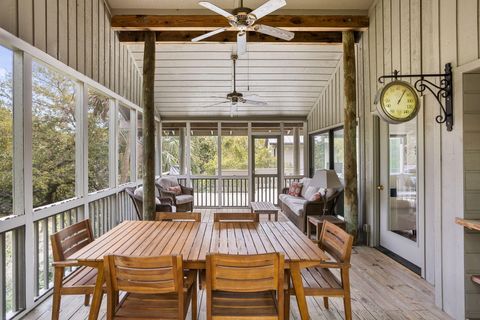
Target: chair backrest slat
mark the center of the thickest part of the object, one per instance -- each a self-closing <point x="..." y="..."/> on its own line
<point x="236" y="217"/>
<point x="145" y="275"/>
<point x="178" y="216"/>
<point x="245" y="273"/>
<point x="336" y="242"/>
<point x="71" y="239"/>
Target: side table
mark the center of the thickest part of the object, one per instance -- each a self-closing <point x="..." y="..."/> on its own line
<point x="317" y="223"/>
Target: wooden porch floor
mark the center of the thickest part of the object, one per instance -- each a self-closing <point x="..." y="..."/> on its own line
<point x="381" y="289"/>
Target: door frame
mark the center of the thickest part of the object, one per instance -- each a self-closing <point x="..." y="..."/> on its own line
<point x="383" y="179"/>
<point x="279" y="160"/>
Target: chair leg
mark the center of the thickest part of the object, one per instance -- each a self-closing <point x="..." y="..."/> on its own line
<point x="348" y="307"/>
<point x="325" y="302"/>
<point x="194" y="302"/>
<point x="86" y="302"/>
<point x="57" y="295"/>
<point x="286" y="308"/>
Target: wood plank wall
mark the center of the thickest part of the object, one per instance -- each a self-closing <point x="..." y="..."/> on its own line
<point x="417" y="36"/>
<point x="328" y="111"/>
<point x="471" y="131"/>
<point x="78" y="33"/>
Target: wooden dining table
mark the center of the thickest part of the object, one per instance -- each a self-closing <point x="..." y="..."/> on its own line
<point x="194" y="240"/>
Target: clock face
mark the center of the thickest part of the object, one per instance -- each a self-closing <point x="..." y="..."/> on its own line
<point x="398" y="102"/>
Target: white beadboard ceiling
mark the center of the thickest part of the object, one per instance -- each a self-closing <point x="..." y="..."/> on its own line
<point x="289" y="77"/>
<point x="192" y="7"/>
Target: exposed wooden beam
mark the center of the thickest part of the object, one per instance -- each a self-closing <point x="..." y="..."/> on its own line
<point x="187" y="36"/>
<point x="149" y="127"/>
<point x="350" y="132"/>
<point x="211" y="22"/>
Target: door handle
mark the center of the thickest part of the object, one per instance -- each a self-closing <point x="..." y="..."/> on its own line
<point x="380" y="187"/>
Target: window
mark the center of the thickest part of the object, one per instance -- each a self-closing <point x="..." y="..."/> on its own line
<point x="6" y="132"/>
<point x="203" y="149"/>
<point x="139" y="145"/>
<point x="124" y="145"/>
<point x="53" y="136"/>
<point x="173" y="148"/>
<point x="338" y="157"/>
<point x="320" y="151"/>
<point x="98" y="141"/>
<point x="234" y="149"/>
<point x="293" y="149"/>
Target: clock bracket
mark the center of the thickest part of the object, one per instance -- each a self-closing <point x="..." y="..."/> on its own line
<point x="441" y="91"/>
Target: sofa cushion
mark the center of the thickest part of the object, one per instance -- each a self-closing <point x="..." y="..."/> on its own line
<point x="310" y="193"/>
<point x="306" y="183"/>
<point x="166" y="182"/>
<point x="139" y="193"/>
<point x="184" y="198"/>
<point x="295" y="204"/>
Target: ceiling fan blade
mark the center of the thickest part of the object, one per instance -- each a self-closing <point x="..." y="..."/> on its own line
<point x="274" y="32"/>
<point x="241" y="43"/>
<point x="268" y="7"/>
<point x="254" y="102"/>
<point x="216" y="104"/>
<point x="209" y="34"/>
<point x="214" y="8"/>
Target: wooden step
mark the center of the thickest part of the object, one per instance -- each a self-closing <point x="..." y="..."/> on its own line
<point x="476" y="279"/>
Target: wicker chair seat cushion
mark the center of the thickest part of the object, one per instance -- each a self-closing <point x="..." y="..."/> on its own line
<point x="184" y="198"/>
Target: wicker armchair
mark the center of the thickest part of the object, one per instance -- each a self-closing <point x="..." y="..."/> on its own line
<point x="182" y="201"/>
<point x="165" y="204"/>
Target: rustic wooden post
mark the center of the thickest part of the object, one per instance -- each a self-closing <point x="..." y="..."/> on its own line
<point x="149" y="127"/>
<point x="350" y="132"/>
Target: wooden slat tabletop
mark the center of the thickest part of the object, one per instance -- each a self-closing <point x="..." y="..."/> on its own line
<point x="194" y="240"/>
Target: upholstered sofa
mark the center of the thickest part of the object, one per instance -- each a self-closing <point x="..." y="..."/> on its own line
<point x="182" y="201"/>
<point x="298" y="208"/>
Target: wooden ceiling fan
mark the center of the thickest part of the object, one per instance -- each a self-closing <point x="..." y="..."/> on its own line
<point x="243" y="19"/>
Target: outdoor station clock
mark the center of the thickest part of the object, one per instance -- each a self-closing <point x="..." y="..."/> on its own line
<point x="397" y="102"/>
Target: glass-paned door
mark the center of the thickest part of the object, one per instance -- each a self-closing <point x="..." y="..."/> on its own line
<point x="400" y="223"/>
<point x="265" y="169"/>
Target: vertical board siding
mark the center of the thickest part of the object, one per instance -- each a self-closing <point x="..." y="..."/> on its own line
<point x="52" y="27"/>
<point x="471" y="130"/>
<point x="81" y="36"/>
<point x="78" y="33"/>
<point x="328" y="109"/>
<point x="420" y="36"/>
<point x="40" y="30"/>
<point x="25" y="23"/>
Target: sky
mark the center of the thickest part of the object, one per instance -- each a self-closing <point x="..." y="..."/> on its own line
<point x="6" y="61"/>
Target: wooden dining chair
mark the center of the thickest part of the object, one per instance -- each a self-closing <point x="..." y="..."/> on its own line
<point x="82" y="280"/>
<point x="245" y="286"/>
<point x="236" y="217"/>
<point x="155" y="288"/>
<point x="178" y="216"/>
<point x="319" y="280"/>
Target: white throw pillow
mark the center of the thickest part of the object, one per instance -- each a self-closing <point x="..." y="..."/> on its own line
<point x="310" y="192"/>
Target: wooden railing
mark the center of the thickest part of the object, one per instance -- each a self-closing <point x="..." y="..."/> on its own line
<point x="266" y="188"/>
<point x="235" y="192"/>
<point x="205" y="192"/>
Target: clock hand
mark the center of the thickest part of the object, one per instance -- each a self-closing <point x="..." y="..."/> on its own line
<point x="401" y="97"/>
